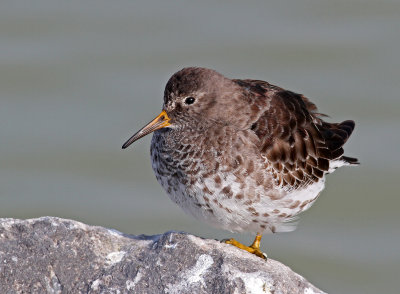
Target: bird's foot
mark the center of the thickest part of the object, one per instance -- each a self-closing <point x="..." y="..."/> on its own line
<point x="253" y="248"/>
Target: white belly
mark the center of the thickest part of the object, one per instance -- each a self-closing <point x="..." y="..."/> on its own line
<point x="258" y="215"/>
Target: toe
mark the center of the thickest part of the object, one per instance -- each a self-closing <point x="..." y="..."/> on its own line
<point x="260" y="254"/>
<point x="229" y="241"/>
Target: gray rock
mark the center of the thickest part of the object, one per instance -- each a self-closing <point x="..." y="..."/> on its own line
<point x="53" y="255"/>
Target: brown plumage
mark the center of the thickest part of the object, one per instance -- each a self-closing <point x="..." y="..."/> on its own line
<point x="293" y="136"/>
<point x="243" y="155"/>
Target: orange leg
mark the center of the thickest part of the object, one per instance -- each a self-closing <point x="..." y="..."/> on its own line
<point x="253" y="248"/>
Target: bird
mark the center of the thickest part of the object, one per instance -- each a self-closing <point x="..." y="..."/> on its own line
<point x="240" y="154"/>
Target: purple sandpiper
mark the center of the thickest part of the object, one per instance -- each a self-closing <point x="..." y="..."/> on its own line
<point x="242" y="155"/>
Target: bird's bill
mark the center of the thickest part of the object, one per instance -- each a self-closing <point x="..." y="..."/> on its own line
<point x="161" y="121"/>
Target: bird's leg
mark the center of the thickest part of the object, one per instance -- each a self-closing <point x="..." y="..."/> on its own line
<point x="253" y="248"/>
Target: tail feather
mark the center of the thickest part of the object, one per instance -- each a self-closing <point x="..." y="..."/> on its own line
<point x="335" y="136"/>
<point x="350" y="160"/>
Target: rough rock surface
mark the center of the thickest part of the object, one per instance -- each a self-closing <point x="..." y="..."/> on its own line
<point x="53" y="255"/>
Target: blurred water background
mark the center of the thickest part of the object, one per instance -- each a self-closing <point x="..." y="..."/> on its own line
<point x="77" y="78"/>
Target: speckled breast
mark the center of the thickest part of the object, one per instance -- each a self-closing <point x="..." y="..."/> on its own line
<point x="218" y="184"/>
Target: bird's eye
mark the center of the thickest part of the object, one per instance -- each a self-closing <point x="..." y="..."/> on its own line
<point x="189" y="100"/>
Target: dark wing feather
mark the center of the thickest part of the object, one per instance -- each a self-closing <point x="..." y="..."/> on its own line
<point x="298" y="144"/>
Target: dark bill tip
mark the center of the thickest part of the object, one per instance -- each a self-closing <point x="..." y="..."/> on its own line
<point x="161" y="121"/>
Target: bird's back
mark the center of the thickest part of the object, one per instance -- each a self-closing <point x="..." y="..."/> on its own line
<point x="298" y="144"/>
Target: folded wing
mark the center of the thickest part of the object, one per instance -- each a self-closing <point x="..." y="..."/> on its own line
<point x="298" y="144"/>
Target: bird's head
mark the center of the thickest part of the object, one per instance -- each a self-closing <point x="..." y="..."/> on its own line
<point x="196" y="96"/>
